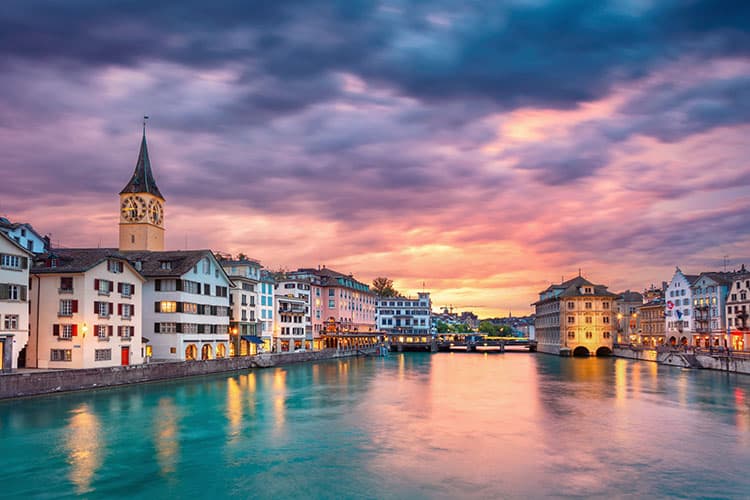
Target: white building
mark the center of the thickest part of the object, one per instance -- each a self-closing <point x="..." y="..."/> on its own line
<point x="86" y="310"/>
<point x="14" y="306"/>
<point x="292" y="323"/>
<point x="737" y="312"/>
<point x="404" y="314"/>
<point x="244" y="303"/>
<point x="25" y="235"/>
<point x="678" y="311"/>
<point x="185" y="304"/>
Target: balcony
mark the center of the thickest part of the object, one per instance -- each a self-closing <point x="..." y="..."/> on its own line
<point x="293" y="309"/>
<point x="64" y="291"/>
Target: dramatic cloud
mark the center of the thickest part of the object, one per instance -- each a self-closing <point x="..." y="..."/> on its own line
<point x="483" y="148"/>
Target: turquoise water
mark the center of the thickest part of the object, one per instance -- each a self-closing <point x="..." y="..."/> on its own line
<point x="512" y="425"/>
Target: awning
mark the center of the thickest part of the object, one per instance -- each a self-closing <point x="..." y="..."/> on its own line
<point x="252" y="338"/>
<point x="144" y="340"/>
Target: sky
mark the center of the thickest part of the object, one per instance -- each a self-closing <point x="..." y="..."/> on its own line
<point x="481" y="150"/>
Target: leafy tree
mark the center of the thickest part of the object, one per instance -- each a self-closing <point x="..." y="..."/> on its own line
<point x="443" y="327"/>
<point x="384" y="287"/>
<point x="505" y="331"/>
<point x="241" y="256"/>
<point x="462" y="328"/>
<point x="489" y="329"/>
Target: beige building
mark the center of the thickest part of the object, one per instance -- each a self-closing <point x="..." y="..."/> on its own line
<point x="14" y="306"/>
<point x="244" y="306"/>
<point x="627" y="316"/>
<point x="652" y="322"/>
<point x="738" y="312"/>
<point x="86" y="310"/>
<point x="575" y="318"/>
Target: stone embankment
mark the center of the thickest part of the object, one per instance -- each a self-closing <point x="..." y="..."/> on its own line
<point x="732" y="362"/>
<point x="33" y="383"/>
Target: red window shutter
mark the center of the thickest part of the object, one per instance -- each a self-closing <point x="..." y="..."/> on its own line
<point x="119" y="287"/>
<point x="96" y="307"/>
<point x="132" y="288"/>
<point x="119" y="309"/>
<point x="132" y="310"/>
<point x="119" y="331"/>
<point x="74" y="329"/>
<point x="111" y="285"/>
<point x="157" y="285"/>
<point x="74" y="306"/>
<point x="56" y="330"/>
<point x="157" y="307"/>
<point x="96" y="284"/>
<point x="109" y="330"/>
<point x="111" y="308"/>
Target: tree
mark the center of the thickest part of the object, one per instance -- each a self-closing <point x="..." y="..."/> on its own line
<point x="241" y="256"/>
<point x="443" y="327"/>
<point x="384" y="287"/>
<point x="489" y="329"/>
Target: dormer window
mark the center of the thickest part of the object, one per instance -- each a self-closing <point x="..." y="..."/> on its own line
<point x="165" y="264"/>
<point x="587" y="290"/>
<point x="114" y="266"/>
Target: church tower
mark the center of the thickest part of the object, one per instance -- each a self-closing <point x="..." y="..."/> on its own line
<point x="142" y="208"/>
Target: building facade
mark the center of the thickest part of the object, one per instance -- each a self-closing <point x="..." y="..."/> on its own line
<point x="678" y="308"/>
<point x="406" y="315"/>
<point x="709" y="294"/>
<point x="293" y="329"/>
<point x="14" y="305"/>
<point x="244" y="303"/>
<point x="737" y="311"/>
<point x="627" y="316"/>
<point x="652" y="322"/>
<point x="575" y="318"/>
<point x="185" y="303"/>
<point x="86" y="310"/>
<point x="346" y="305"/>
<point x="25" y="235"/>
<point x="266" y="308"/>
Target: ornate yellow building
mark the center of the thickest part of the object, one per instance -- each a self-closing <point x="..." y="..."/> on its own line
<point x="576" y="318"/>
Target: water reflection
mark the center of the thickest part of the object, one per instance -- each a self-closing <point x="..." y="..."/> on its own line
<point x="84" y="447"/>
<point x="166" y="436"/>
<point x="234" y="407"/>
<point x="279" y="405"/>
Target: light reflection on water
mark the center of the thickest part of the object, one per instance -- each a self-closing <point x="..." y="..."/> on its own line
<point x="457" y="425"/>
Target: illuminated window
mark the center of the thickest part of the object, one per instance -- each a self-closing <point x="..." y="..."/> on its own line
<point x="168" y="306"/>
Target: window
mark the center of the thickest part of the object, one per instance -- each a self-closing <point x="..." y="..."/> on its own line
<point x="165" y="265"/>
<point x="167" y="306"/>
<point x="61" y="355"/>
<point x="332" y="303"/>
<point x="66" y="331"/>
<point x="606" y="335"/>
<point x="102" y="309"/>
<point x="125" y="331"/>
<point x="102" y="354"/>
<point x="14" y="292"/>
<point x="66" y="308"/>
<point x="66" y="285"/>
<point x="103" y="286"/>
<point x="589" y="320"/>
<point x="11" y="322"/>
<point x="114" y="266"/>
<point x="11" y="261"/>
<point x="571" y="334"/>
<point x="126" y="289"/>
<point x="126" y="310"/>
<point x="587" y="290"/>
<point x="571" y="305"/>
<point x="571" y="319"/>
<point x="206" y="266"/>
<point x="332" y="293"/>
<point x="605" y="320"/>
<point x="587" y="305"/>
<point x="167" y="327"/>
<point x="101" y="331"/>
<point x="589" y="335"/>
<point x="605" y="305"/>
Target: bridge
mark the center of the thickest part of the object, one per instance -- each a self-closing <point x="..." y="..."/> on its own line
<point x="463" y="342"/>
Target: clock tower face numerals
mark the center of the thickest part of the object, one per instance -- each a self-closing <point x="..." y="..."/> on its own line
<point x="133" y="208"/>
<point x="155" y="212"/>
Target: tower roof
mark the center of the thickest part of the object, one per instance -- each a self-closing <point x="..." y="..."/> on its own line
<point x="143" y="179"/>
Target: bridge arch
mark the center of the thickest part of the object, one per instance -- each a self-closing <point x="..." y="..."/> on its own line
<point x="672" y="340"/>
<point x="581" y="351"/>
<point x="604" y="351"/>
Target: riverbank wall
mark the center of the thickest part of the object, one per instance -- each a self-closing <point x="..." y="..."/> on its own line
<point x="34" y="383"/>
<point x="734" y="363"/>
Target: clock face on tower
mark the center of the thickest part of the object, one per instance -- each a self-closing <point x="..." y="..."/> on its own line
<point x="155" y="212"/>
<point x="133" y="208"/>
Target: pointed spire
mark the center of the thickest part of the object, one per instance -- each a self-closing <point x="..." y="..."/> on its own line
<point x="142" y="180"/>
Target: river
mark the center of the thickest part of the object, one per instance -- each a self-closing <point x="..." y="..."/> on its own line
<point x="513" y="425"/>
